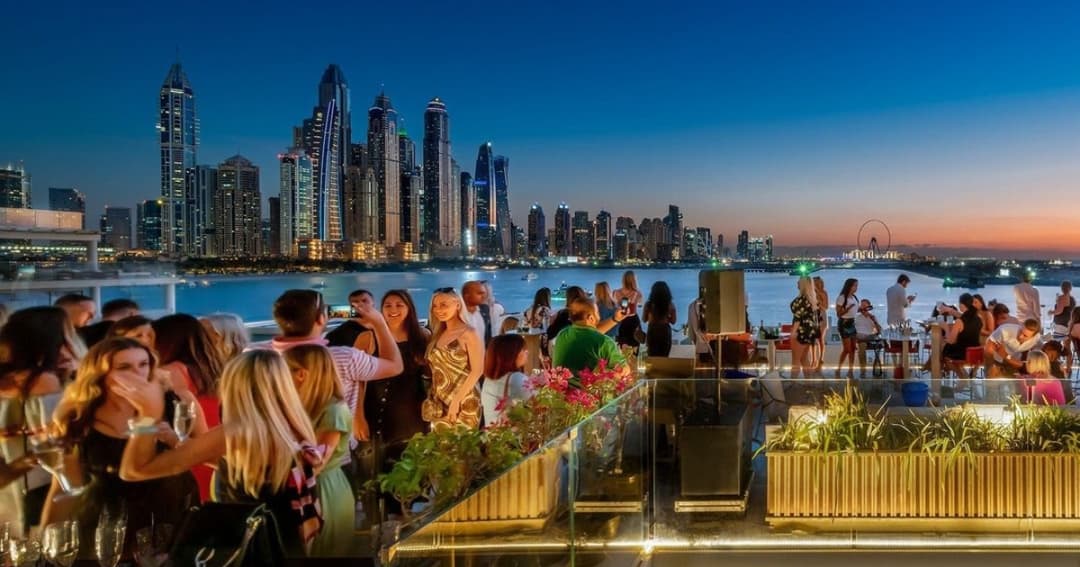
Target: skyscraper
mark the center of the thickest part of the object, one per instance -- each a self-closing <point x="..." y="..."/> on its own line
<point x="116" y="228"/>
<point x="296" y="219"/>
<point x="583" y="234"/>
<point x="487" y="241"/>
<point x="148" y="224"/>
<point x="178" y="135"/>
<point x="467" y="214"/>
<point x="327" y="137"/>
<point x="537" y="247"/>
<point x="742" y="247"/>
<point x="439" y="185"/>
<point x="238" y="209"/>
<point x="602" y="246"/>
<point x="383" y="157"/>
<point x="673" y="224"/>
<point x="202" y="184"/>
<point x="502" y="204"/>
<point x="273" y="240"/>
<point x="410" y="195"/>
<point x="14" y="187"/>
<point x="563" y="232"/>
<point x="67" y="199"/>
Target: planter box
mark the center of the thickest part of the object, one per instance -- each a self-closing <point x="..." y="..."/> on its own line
<point x="893" y="490"/>
<point x="524" y="498"/>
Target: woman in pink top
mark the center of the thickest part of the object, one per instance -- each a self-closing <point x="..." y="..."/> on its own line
<point x="186" y="351"/>
<point x="1043" y="389"/>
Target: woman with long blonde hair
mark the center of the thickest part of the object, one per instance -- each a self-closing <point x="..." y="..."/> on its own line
<point x="95" y="422"/>
<point x="319" y="389"/>
<point x="264" y="441"/>
<point x="455" y="355"/>
<point x="805" y="329"/>
<point x="818" y="352"/>
<point x="629" y="329"/>
<point x="605" y="303"/>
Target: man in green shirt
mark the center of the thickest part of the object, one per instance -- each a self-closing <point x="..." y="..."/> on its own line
<point x="580" y="345"/>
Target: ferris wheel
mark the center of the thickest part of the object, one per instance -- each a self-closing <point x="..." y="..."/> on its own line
<point x="875" y="238"/>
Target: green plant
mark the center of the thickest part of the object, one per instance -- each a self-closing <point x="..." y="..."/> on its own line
<point x="844" y="423"/>
<point x="1044" y="429"/>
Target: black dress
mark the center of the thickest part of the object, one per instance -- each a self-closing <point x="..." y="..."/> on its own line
<point x="392" y="406"/>
<point x="969" y="337"/>
<point x="161" y="501"/>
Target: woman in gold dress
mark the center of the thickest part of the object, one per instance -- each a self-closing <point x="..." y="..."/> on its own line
<point x="456" y="358"/>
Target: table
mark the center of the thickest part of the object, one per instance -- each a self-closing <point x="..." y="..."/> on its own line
<point x="905" y="340"/>
<point x="770" y="350"/>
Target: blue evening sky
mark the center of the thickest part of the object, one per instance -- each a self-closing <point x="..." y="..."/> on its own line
<point x="955" y="122"/>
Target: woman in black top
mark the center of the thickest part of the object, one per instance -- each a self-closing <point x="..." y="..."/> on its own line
<point x="1063" y="308"/>
<point x="392" y="406"/>
<point x="660" y="316"/>
<point x="963" y="334"/>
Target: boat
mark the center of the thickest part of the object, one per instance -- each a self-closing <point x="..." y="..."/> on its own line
<point x="530" y="276"/>
<point x="429" y="270"/>
<point x="971" y="282"/>
<point x="204" y="283"/>
<point x="321" y="284"/>
<point x="489" y="267"/>
<point x="560" y="293"/>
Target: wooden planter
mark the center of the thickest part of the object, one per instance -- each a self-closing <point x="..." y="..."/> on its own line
<point x="916" y="491"/>
<point x="524" y="498"/>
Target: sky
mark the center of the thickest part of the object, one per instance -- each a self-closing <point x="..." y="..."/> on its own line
<point x="956" y="123"/>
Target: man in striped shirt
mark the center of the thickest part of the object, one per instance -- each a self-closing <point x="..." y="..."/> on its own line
<point x="302" y="314"/>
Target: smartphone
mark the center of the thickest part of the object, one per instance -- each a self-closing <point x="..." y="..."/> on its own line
<point x="624" y="305"/>
<point x="342" y="312"/>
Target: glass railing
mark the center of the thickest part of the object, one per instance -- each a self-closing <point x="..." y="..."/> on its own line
<point x="707" y="466"/>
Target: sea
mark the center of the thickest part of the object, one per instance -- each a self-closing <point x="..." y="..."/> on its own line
<point x="769" y="294"/>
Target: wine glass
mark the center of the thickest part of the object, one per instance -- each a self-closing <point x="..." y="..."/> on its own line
<point x="184" y="414"/>
<point x="51" y="452"/>
<point x="109" y="538"/>
<point x="61" y="542"/>
<point x="152" y="545"/>
<point x="24" y="551"/>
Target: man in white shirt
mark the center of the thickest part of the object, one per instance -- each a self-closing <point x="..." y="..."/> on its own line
<point x="1027" y="300"/>
<point x="477" y="310"/>
<point x="897" y="301"/>
<point x="867" y="329"/>
<point x="1005" y="348"/>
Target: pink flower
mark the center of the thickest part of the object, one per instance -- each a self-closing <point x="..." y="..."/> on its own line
<point x="582" y="398"/>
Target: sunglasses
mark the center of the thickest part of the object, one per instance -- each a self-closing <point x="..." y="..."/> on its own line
<point x="446" y="290"/>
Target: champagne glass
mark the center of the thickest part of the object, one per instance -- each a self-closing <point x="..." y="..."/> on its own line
<point x="5" y="540"/>
<point x="152" y="545"/>
<point x="184" y="414"/>
<point x="51" y="453"/>
<point x="109" y="538"/>
<point x="61" y="543"/>
<point x="24" y="551"/>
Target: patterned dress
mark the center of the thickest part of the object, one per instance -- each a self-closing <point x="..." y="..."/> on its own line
<point x="449" y="369"/>
<point x="803" y="314"/>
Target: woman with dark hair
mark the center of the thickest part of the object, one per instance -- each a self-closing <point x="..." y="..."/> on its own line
<point x="135" y="327"/>
<point x="985" y="316"/>
<point x="186" y="351"/>
<point x="538" y="315"/>
<point x="504" y="381"/>
<point x="96" y="421"/>
<point x="392" y="406"/>
<point x="39" y="350"/>
<point x="660" y="316"/>
<point x="847" y="307"/>
<point x="962" y="334"/>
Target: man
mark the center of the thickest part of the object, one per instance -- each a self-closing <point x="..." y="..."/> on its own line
<point x="111" y="312"/>
<point x="1005" y="348"/>
<point x="351" y="333"/>
<point x="897" y="301"/>
<point x="1027" y="299"/>
<point x="79" y="308"/>
<point x="477" y="310"/>
<point x="301" y="315"/>
<point x="581" y="345"/>
<point x="867" y="329"/>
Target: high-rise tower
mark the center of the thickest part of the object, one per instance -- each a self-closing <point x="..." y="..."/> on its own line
<point x="296" y="200"/>
<point x="503" y="229"/>
<point x="440" y="223"/>
<point x="488" y="243"/>
<point x="178" y="137"/>
<point x="383" y="158"/>
<point x="326" y="137"/>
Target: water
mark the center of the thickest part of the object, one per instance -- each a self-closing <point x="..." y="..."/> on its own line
<point x="769" y="293"/>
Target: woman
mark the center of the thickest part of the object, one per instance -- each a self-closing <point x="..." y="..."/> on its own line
<point x="538" y="315"/>
<point x="265" y="447"/>
<point x="1072" y="341"/>
<point x="392" y="406"/>
<point x="455" y="355"/>
<point x="963" y="334"/>
<point x="985" y="316"/>
<point x="39" y="350"/>
<point x="95" y="421"/>
<point x="605" y="302"/>
<point x="135" y="327"/>
<point x="1042" y="389"/>
<point x="660" y="316"/>
<point x="319" y="389"/>
<point x="194" y="365"/>
<point x="805" y="328"/>
<point x="847" y="307"/>
<point x="504" y="379"/>
<point x="630" y="327"/>
<point x="818" y="353"/>
<point x="1063" y="309"/>
<point x="227" y="332"/>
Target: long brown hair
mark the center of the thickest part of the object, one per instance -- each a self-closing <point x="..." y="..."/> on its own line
<point x="83" y="397"/>
<point x="32" y="339"/>
<point x="502" y="354"/>
<point x="417" y="339"/>
<point x="181" y="338"/>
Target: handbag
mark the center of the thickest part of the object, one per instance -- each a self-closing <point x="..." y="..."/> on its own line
<point x="228" y="535"/>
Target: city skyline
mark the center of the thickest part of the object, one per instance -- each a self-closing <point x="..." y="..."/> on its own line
<point x="876" y="112"/>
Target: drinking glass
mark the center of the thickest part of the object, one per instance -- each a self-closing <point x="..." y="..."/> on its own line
<point x="152" y="545"/>
<point x="109" y="538"/>
<point x="51" y="452"/>
<point x="184" y="414"/>
<point x="24" y="551"/>
<point x="5" y="540"/>
<point x="60" y="542"/>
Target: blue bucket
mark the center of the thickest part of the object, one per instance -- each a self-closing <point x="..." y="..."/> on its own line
<point x="916" y="394"/>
